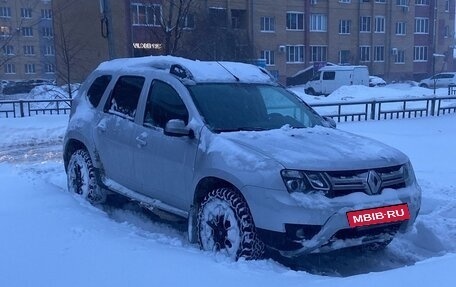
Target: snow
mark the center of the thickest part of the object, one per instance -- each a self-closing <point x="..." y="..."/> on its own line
<point x="202" y="71"/>
<point x="50" y="237"/>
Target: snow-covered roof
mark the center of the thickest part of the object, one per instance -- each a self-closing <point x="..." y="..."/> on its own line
<point x="341" y="68"/>
<point x="198" y="71"/>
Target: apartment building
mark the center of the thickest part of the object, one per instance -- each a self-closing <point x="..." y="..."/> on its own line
<point x="26" y="40"/>
<point x="396" y="39"/>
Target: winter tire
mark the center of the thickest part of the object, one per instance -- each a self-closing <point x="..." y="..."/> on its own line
<point x="81" y="177"/>
<point x="225" y="225"/>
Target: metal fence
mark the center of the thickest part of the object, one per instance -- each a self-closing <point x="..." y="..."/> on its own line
<point x="340" y="111"/>
<point x="387" y="109"/>
<point x="27" y="108"/>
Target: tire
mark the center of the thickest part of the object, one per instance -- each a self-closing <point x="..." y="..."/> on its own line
<point x="225" y="225"/>
<point x="424" y="86"/>
<point x="81" y="178"/>
<point x="310" y="91"/>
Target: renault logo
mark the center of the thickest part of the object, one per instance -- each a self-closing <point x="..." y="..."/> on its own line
<point x="374" y="182"/>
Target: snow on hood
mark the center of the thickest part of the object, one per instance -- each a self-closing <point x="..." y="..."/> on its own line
<point x="317" y="148"/>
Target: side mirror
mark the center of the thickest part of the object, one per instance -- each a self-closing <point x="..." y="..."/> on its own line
<point x="331" y="123"/>
<point x="177" y="128"/>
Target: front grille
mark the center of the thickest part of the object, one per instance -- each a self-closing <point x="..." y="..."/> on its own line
<point x="347" y="182"/>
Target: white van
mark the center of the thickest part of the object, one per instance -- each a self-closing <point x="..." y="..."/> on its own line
<point x="330" y="78"/>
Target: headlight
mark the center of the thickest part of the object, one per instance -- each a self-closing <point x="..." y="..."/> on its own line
<point x="305" y="181"/>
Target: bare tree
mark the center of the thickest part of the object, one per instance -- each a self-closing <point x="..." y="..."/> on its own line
<point x="68" y="46"/>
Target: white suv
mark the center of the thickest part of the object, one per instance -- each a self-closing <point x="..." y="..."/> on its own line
<point x="244" y="160"/>
<point x="442" y="80"/>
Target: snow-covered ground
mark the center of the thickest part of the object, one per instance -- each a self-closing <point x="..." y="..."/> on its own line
<point x="49" y="237"/>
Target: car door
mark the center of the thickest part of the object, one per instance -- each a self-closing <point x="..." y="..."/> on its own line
<point x="164" y="164"/>
<point x="114" y="132"/>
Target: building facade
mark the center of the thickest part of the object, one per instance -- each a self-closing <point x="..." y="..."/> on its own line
<point x="26" y="40"/>
<point x="396" y="39"/>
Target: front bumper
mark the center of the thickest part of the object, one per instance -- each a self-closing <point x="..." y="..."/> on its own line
<point x="301" y="224"/>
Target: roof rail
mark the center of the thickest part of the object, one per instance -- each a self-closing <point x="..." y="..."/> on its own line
<point x="180" y="71"/>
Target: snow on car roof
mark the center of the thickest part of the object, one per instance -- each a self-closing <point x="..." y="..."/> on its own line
<point x="340" y="68"/>
<point x="199" y="71"/>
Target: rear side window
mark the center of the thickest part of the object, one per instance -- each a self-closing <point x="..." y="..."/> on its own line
<point x="97" y="89"/>
<point x="125" y="96"/>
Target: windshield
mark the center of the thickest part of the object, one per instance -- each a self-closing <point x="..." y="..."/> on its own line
<point x="237" y="107"/>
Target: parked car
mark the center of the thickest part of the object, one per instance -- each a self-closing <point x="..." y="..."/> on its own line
<point x="330" y="78"/>
<point x="246" y="162"/>
<point x="441" y="80"/>
<point x="375" y="81"/>
<point x="22" y="87"/>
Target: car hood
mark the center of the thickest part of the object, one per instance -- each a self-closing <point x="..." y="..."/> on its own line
<point x="318" y="148"/>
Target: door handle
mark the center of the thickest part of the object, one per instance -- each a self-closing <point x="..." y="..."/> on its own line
<point x="101" y="127"/>
<point x="141" y="141"/>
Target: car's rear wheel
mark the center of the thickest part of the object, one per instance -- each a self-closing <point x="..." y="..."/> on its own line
<point x="225" y="225"/>
<point x="424" y="86"/>
<point x="81" y="177"/>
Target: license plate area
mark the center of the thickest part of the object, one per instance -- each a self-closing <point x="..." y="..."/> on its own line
<point x="378" y="215"/>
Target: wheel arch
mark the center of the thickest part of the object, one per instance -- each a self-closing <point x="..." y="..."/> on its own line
<point x="71" y="146"/>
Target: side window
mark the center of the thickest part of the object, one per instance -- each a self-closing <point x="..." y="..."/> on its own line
<point x="125" y="96"/>
<point x="97" y="89"/>
<point x="164" y="104"/>
<point x="329" y="75"/>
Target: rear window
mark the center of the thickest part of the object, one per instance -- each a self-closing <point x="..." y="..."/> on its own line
<point x="98" y="88"/>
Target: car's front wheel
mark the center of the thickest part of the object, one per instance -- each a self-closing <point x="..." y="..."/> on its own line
<point x="225" y="225"/>
<point x="81" y="177"/>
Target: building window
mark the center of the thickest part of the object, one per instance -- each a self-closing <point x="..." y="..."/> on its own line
<point x="10" y="68"/>
<point x="145" y="15"/>
<point x="29" y="50"/>
<point x="365" y="24"/>
<point x="344" y="26"/>
<point x="189" y="22"/>
<point x="48" y="32"/>
<point x="267" y="24"/>
<point x="318" y="23"/>
<point x="268" y="56"/>
<point x="26" y="13"/>
<point x="49" y="51"/>
<point x="46" y="14"/>
<point x="344" y="56"/>
<point x="422" y="2"/>
<point x="295" y="54"/>
<point x="318" y="53"/>
<point x="5" y="12"/>
<point x="27" y="31"/>
<point x="30" y="69"/>
<point x="421" y="25"/>
<point x="401" y="28"/>
<point x="49" y="68"/>
<point x="446" y="32"/>
<point x="379" y="24"/>
<point x="238" y="19"/>
<point x="344" y="1"/>
<point x="379" y="53"/>
<point x="8" y="50"/>
<point x="420" y="54"/>
<point x="5" y="31"/>
<point x="402" y="3"/>
<point x="399" y="57"/>
<point x="380" y="1"/>
<point x="364" y="53"/>
<point x="447" y="5"/>
<point x="218" y="17"/>
<point x="295" y="21"/>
